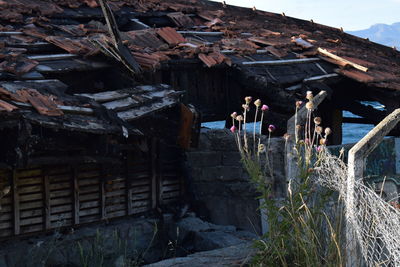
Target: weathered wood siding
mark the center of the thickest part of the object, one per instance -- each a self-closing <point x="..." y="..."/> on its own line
<point x="50" y="197"/>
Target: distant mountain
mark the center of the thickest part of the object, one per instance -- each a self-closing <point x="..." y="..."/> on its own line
<point x="382" y="33"/>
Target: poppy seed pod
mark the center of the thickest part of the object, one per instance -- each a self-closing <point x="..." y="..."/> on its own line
<point x="257" y="102"/>
<point x="317" y="120"/>
<point x="248" y="99"/>
<point x="309" y="95"/>
<point x="328" y="131"/>
<point x="310" y="105"/>
<point x="234" y="115"/>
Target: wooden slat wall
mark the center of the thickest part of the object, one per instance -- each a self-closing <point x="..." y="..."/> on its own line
<point x="59" y="196"/>
<point x="171" y="178"/>
<point x="6" y="212"/>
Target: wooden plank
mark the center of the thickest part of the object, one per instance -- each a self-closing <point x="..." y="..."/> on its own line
<point x="133" y="114"/>
<point x="91" y="211"/>
<point x="90" y="197"/>
<point x="5" y="225"/>
<point x="31" y="229"/>
<point x="30" y="197"/>
<point x="16" y="199"/>
<point x="201" y="33"/>
<point x="60" y="194"/>
<point x="90" y="181"/>
<point x="325" y="52"/>
<point x="5" y="216"/>
<point x="280" y="62"/>
<point x="90" y="204"/>
<point x="89" y="219"/>
<point x="47" y="211"/>
<point x="144" y="196"/>
<point x="106" y="96"/>
<point x="120" y="192"/>
<point x="31" y="205"/>
<point x="141" y="209"/>
<point x="154" y="174"/>
<point x="62" y="208"/>
<point x="28" y="173"/>
<point x="30" y="181"/>
<point x="321" y="77"/>
<point x="88" y="189"/>
<point x="115" y="208"/>
<point x="33" y="220"/>
<point x="121" y="104"/>
<point x="31" y="213"/>
<point x="116" y="214"/>
<point x="52" y="57"/>
<point x="30" y="189"/>
<point x="115" y="200"/>
<point x="61" y="216"/>
<point x="6" y="232"/>
<point x="59" y="185"/>
<point x="62" y="201"/>
<point x="103" y="213"/>
<point x="75" y="195"/>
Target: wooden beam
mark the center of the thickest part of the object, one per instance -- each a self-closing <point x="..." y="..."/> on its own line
<point x="103" y="214"/>
<point x="325" y="53"/>
<point x="281" y="62"/>
<point x="52" y="57"/>
<point x="201" y="33"/>
<point x="321" y="77"/>
<point x="154" y="171"/>
<point x="47" y="211"/>
<point x="17" y="227"/>
<point x="75" y="194"/>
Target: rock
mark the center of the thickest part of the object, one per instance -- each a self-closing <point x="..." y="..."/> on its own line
<point x="237" y="255"/>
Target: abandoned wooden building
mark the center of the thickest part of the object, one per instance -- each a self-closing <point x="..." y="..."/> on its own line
<point x="95" y="96"/>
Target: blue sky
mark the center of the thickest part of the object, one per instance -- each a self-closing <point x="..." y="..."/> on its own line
<point x="349" y="14"/>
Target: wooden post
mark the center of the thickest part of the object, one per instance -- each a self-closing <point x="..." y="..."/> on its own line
<point x="75" y="195"/>
<point x="17" y="227"/>
<point x="154" y="173"/>
<point x="357" y="155"/>
<point x="129" y="204"/>
<point x="47" y="213"/>
<point x="103" y="214"/>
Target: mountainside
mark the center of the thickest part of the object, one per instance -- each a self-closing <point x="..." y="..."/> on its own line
<point x="381" y="33"/>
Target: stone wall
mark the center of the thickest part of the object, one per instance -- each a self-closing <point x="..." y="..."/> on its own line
<point x="222" y="185"/>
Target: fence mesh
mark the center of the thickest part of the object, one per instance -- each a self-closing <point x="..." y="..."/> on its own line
<point x="373" y="222"/>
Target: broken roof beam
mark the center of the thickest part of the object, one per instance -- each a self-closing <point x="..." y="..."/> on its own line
<point x="321" y="77"/>
<point x="52" y="57"/>
<point x="202" y="33"/>
<point x="325" y="53"/>
<point x="281" y="62"/>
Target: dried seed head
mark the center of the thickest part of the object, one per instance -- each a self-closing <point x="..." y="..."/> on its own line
<point x="318" y="130"/>
<point x="248" y="99"/>
<point x="309" y="95"/>
<point x="233" y="129"/>
<point x="310" y="105"/>
<point x="322" y="141"/>
<point x="257" y="102"/>
<point x="234" y="115"/>
<point x="328" y="131"/>
<point x="239" y="118"/>
<point x="246" y="107"/>
<point x="261" y="148"/>
<point x="298" y="104"/>
<point x="317" y="120"/>
<point x="271" y="128"/>
<point x="286" y="136"/>
<point x="264" y="108"/>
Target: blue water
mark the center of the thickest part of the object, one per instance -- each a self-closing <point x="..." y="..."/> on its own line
<point x="351" y="132"/>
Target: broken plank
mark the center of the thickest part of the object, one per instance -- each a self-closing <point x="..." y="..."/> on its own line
<point x="321" y="77"/>
<point x="325" y="52"/>
<point x="52" y="57"/>
<point x="106" y="96"/>
<point x="281" y="62"/>
<point x="145" y="110"/>
<point x="121" y="104"/>
<point x="201" y="33"/>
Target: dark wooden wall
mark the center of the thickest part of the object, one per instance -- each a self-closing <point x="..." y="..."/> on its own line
<point x="49" y="197"/>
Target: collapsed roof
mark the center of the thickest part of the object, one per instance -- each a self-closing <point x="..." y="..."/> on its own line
<point x="41" y="39"/>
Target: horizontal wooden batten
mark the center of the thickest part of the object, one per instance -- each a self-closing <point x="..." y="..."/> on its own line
<point x="280" y="62"/>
